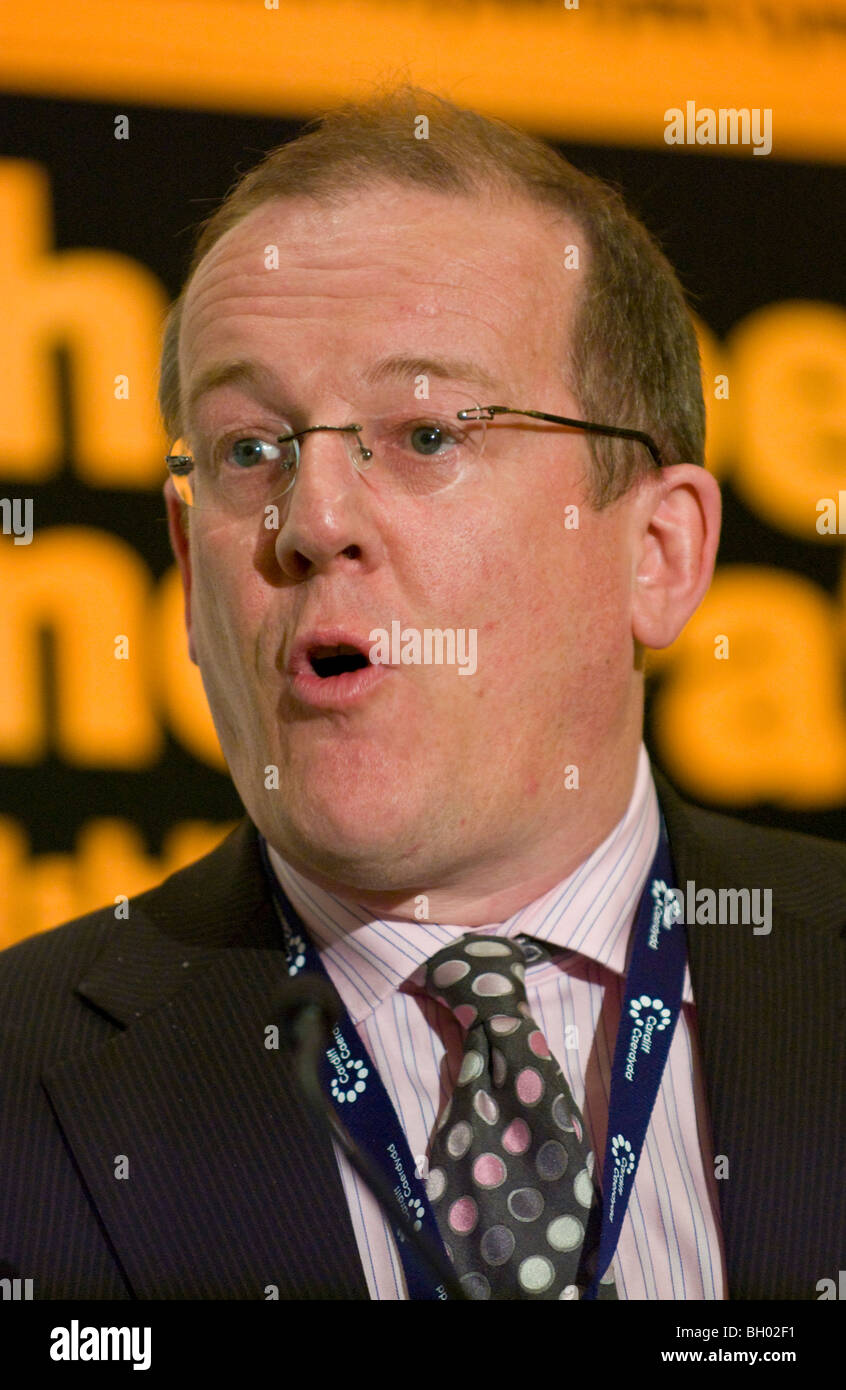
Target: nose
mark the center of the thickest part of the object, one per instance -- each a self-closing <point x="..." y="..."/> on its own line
<point x="326" y="513"/>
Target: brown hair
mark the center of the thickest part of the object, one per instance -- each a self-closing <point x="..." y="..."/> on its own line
<point x="633" y="359"/>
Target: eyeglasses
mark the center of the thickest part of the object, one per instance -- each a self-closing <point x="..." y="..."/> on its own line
<point x="410" y="455"/>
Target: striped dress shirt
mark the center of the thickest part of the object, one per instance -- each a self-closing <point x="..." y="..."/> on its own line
<point x="670" y="1245"/>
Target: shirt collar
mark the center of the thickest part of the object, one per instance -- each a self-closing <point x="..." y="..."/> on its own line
<point x="590" y="912"/>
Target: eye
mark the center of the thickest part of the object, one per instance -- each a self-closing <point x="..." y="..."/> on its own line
<point x="250" y="451"/>
<point x="428" y="438"/>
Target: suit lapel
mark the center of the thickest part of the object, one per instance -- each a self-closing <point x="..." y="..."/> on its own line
<point x="210" y="1177"/>
<point x="770" y="1059"/>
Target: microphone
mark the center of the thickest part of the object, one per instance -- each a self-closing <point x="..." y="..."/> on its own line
<point x="308" y="1012"/>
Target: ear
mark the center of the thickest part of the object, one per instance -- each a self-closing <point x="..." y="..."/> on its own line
<point x="177" y="524"/>
<point x="678" y="516"/>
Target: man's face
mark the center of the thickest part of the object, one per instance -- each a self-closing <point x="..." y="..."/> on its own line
<point x="430" y="775"/>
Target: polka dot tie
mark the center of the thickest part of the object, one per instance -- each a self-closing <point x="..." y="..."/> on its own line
<point x="510" y="1180"/>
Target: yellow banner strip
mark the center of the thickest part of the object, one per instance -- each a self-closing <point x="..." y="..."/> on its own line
<point x="606" y="71"/>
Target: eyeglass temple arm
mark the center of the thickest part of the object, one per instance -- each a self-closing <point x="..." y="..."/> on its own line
<point x="181" y="464"/>
<point x="489" y="411"/>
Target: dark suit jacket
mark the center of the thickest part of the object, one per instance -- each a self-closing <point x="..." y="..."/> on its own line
<point x="145" y="1039"/>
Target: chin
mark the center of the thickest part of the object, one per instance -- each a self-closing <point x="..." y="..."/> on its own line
<point x="359" y="816"/>
<point x="346" y="843"/>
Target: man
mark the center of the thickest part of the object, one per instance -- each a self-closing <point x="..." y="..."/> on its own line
<point x="351" y="314"/>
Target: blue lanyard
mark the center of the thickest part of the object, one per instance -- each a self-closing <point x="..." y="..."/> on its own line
<point x="652" y="1002"/>
<point x="651" y="1007"/>
<point x="364" y="1106"/>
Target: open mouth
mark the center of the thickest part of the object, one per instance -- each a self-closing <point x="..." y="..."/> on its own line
<point x="336" y="661"/>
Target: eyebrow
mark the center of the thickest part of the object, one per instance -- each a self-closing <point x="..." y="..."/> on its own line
<point x="248" y="373"/>
<point x="233" y="372"/>
<point x="444" y="368"/>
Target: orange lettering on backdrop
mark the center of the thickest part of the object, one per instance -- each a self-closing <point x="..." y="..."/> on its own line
<point x="106" y="310"/>
<point x="85" y="588"/>
<point x="790" y="364"/>
<point x="110" y="861"/>
<point x="93" y="594"/>
<point x="767" y="723"/>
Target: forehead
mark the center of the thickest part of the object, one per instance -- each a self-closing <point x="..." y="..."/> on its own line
<point x="386" y="269"/>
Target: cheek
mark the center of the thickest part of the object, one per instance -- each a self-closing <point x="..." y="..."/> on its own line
<point x="534" y="589"/>
<point x="569" y="596"/>
<point x="226" y="608"/>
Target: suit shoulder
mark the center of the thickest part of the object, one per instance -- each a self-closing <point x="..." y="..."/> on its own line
<point x="771" y="843"/>
<point x="806" y="873"/>
<point x="62" y="948"/>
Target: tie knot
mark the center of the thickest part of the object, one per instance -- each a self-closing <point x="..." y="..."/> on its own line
<point x="479" y="978"/>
